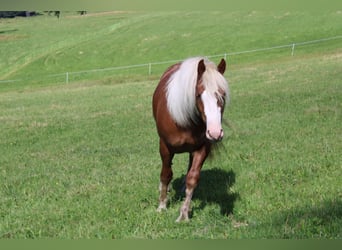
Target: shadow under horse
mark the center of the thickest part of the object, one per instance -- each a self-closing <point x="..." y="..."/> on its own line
<point x="214" y="187"/>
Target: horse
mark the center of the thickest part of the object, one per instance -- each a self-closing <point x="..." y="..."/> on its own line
<point x="188" y="105"/>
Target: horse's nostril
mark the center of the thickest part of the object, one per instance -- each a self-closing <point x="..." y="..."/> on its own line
<point x="208" y="132"/>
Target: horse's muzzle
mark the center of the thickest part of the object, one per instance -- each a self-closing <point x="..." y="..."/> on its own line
<point x="215" y="136"/>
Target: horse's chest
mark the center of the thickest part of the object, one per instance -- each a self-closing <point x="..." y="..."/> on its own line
<point x="186" y="141"/>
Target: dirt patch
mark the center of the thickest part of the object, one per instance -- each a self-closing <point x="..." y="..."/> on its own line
<point x="334" y="56"/>
<point x="11" y="37"/>
<point x="99" y="14"/>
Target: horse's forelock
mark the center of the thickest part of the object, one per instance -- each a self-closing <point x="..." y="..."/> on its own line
<point x="215" y="83"/>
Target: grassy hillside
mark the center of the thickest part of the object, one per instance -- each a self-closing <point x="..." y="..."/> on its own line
<point x="43" y="46"/>
<point x="80" y="160"/>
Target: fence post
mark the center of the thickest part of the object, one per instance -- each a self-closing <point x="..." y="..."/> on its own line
<point x="67" y="77"/>
<point x="149" y="68"/>
<point x="293" y="47"/>
<point x="225" y="56"/>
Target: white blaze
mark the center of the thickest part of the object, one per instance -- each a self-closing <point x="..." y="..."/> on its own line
<point x="213" y="116"/>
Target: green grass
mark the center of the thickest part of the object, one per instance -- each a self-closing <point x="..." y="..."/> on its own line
<point x="34" y="50"/>
<point x="81" y="160"/>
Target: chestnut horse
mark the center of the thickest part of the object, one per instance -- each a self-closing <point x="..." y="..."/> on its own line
<point x="188" y="105"/>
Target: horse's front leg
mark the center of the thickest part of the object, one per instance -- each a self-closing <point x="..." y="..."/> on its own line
<point x="192" y="179"/>
<point x="165" y="175"/>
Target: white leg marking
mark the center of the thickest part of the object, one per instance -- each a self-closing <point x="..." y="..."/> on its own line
<point x="184" y="210"/>
<point x="162" y="206"/>
<point x="163" y="197"/>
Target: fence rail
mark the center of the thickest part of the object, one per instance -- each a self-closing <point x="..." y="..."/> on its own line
<point x="149" y="65"/>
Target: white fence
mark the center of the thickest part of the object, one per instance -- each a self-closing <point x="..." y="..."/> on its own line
<point x="149" y="66"/>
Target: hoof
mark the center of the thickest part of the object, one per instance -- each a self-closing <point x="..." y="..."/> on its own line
<point x="161" y="208"/>
<point x="182" y="217"/>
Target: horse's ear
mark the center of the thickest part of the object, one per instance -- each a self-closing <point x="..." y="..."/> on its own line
<point x="200" y="69"/>
<point x="222" y="66"/>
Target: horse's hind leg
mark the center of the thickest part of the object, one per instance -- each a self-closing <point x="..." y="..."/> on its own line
<point x="165" y="175"/>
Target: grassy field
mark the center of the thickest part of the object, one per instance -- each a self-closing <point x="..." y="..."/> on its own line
<point x="81" y="160"/>
<point x="35" y="50"/>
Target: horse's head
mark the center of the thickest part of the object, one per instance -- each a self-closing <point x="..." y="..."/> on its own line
<point x="211" y="95"/>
